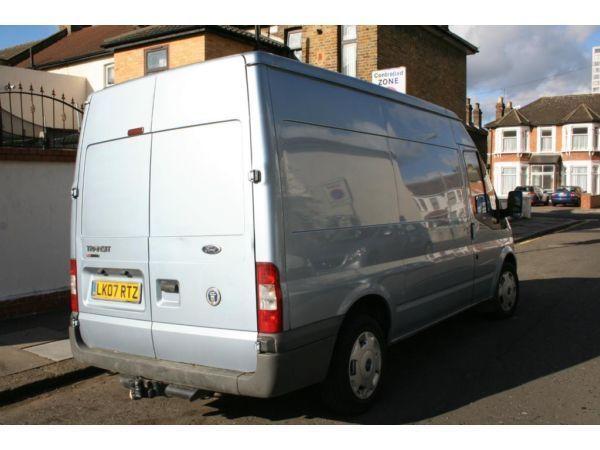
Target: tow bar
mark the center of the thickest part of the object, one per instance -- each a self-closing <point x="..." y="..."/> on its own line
<point x="141" y="388"/>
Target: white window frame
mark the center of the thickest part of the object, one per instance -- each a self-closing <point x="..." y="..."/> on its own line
<point x="522" y="145"/>
<point x="568" y="137"/>
<point x="521" y="174"/>
<point x="296" y="50"/>
<point x="552" y="139"/>
<point x="347" y="42"/>
<point x="106" y="67"/>
<point x="569" y="165"/>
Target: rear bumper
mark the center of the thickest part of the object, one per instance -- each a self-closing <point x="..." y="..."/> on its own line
<point x="560" y="201"/>
<point x="276" y="373"/>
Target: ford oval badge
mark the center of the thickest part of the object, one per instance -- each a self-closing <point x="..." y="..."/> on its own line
<point x="213" y="296"/>
<point x="211" y="249"/>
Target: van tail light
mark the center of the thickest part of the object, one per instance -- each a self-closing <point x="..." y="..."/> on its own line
<point x="268" y="295"/>
<point x="73" y="276"/>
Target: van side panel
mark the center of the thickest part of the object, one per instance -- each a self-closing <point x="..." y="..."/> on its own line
<point x="338" y="190"/>
<point x="374" y="203"/>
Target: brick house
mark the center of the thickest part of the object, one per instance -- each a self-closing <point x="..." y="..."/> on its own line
<point x="550" y="142"/>
<point x="434" y="57"/>
<point x="161" y="47"/>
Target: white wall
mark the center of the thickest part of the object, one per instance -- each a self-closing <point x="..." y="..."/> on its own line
<point x="75" y="87"/>
<point x="93" y="71"/>
<point x="34" y="227"/>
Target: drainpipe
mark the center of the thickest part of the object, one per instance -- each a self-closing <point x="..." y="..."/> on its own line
<point x="257" y="37"/>
<point x="31" y="63"/>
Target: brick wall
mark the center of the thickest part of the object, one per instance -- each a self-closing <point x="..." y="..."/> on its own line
<point x="320" y="46"/>
<point x="129" y="63"/>
<point x="436" y="71"/>
<point x="366" y="51"/>
<point x="216" y="46"/>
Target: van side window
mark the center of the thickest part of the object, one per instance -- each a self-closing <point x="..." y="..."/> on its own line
<point x="481" y="192"/>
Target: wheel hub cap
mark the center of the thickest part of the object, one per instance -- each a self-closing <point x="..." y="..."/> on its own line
<point x="507" y="291"/>
<point x="364" y="367"/>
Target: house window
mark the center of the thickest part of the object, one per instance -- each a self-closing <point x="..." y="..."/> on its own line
<point x="508" y="179"/>
<point x="348" y="51"/>
<point x="157" y="59"/>
<point x="546" y="140"/>
<point x="294" y="42"/>
<point x="509" y="141"/>
<point x="109" y="74"/>
<point x="579" y="138"/>
<point x="579" y="177"/>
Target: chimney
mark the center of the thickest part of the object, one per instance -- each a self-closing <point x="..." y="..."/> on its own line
<point x="477" y="116"/>
<point x="509" y="108"/>
<point x="500" y="108"/>
<point x="469" y="113"/>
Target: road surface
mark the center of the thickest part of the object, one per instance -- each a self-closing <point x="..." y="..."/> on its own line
<point x="540" y="367"/>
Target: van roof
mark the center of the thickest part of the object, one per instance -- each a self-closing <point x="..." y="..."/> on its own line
<point x="269" y="59"/>
<point x="291" y="65"/>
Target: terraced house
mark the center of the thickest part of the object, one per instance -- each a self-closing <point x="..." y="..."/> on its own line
<point x="550" y="142"/>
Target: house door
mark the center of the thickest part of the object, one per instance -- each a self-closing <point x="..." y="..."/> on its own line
<point x="542" y="175"/>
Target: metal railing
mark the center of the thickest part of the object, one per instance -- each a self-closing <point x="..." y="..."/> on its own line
<point x="35" y="119"/>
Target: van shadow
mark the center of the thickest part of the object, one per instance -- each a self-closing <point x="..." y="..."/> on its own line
<point x="464" y="359"/>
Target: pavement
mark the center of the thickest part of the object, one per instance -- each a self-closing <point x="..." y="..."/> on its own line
<point x="35" y="356"/>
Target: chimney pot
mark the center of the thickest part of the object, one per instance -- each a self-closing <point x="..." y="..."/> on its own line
<point x="477" y="116"/>
<point x="500" y="108"/>
<point x="469" y="112"/>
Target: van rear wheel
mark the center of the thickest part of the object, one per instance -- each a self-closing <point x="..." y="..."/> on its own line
<point x="357" y="366"/>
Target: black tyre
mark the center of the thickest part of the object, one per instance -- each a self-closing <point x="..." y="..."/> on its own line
<point x="357" y="366"/>
<point x="504" y="303"/>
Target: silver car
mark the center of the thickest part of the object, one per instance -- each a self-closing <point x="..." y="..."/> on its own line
<point x="252" y="225"/>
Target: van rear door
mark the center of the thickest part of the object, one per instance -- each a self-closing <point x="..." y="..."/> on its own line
<point x="201" y="220"/>
<point x="112" y="226"/>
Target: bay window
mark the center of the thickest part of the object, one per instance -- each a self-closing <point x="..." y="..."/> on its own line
<point x="579" y="138"/>
<point x="508" y="179"/>
<point x="579" y="177"/>
<point x="509" y="141"/>
<point x="348" y="50"/>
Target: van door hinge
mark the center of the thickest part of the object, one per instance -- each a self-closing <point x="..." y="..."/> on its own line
<point x="75" y="192"/>
<point x="254" y="176"/>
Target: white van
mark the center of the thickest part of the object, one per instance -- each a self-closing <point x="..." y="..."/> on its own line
<point x="252" y="225"/>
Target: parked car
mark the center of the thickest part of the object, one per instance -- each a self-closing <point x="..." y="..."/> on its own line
<point x="274" y="230"/>
<point x="567" y="195"/>
<point x="537" y="195"/>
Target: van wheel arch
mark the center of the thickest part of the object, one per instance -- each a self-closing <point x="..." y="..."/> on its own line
<point x="374" y="306"/>
<point x="510" y="259"/>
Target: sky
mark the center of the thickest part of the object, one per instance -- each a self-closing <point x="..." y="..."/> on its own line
<point x="18" y="34"/>
<point x="519" y="62"/>
<point x="523" y="63"/>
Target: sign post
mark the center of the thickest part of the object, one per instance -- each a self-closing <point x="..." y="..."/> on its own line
<point x="394" y="79"/>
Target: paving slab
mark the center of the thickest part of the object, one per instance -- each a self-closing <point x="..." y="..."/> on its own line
<point x="55" y="351"/>
<point x="31" y="337"/>
<point x="14" y="360"/>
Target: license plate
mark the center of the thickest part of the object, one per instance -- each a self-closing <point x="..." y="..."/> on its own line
<point x="117" y="291"/>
